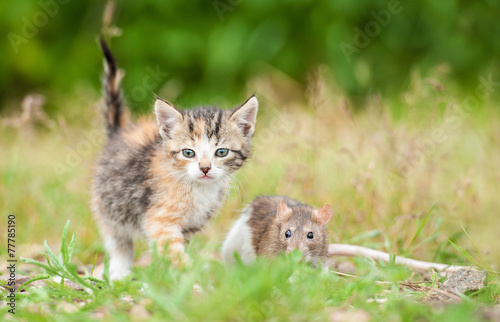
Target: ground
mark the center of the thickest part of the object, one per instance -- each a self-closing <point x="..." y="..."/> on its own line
<point x="414" y="175"/>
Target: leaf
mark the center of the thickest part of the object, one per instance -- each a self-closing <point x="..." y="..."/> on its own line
<point x="56" y="260"/>
<point x="71" y="247"/>
<point x="36" y="278"/>
<point x="93" y="265"/>
<point x="64" y="251"/>
<point x="94" y="279"/>
<point x="37" y="263"/>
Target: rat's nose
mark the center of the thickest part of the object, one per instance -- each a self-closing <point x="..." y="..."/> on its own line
<point x="205" y="170"/>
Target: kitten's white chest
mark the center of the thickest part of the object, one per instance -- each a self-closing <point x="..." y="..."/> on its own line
<point x="206" y="200"/>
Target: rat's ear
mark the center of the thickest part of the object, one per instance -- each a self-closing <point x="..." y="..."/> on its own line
<point x="283" y="213"/>
<point x="166" y="116"/>
<point x="323" y="214"/>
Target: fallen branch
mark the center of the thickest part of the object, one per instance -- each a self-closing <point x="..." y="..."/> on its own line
<point x="353" y="250"/>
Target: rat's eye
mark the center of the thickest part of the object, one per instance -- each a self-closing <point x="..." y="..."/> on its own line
<point x="221" y="153"/>
<point x="188" y="153"/>
<point x="288" y="233"/>
<point x="310" y="235"/>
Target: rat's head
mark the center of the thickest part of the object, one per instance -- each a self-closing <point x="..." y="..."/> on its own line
<point x="302" y="227"/>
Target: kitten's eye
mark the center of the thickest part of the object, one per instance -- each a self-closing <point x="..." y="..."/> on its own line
<point x="188" y="153"/>
<point x="310" y="235"/>
<point x="288" y="233"/>
<point x="221" y="153"/>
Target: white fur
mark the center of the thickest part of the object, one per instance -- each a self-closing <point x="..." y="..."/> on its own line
<point x="121" y="259"/>
<point x="204" y="148"/>
<point x="205" y="197"/>
<point x="239" y="240"/>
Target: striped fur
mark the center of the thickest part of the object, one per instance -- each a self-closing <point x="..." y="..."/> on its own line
<point x="143" y="183"/>
<point x="115" y="111"/>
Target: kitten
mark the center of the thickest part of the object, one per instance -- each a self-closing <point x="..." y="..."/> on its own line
<point x="163" y="179"/>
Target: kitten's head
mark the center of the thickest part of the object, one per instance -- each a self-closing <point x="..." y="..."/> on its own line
<point x="206" y="144"/>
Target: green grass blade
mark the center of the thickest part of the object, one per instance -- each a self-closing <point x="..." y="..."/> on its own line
<point x="93" y="265"/>
<point x="31" y="280"/>
<point x="64" y="250"/>
<point x="47" y="268"/>
<point x="56" y="260"/>
<point x="477" y="251"/>
<point x="422" y="224"/>
<point x="94" y="279"/>
<point x="469" y="257"/>
<point x="71" y="247"/>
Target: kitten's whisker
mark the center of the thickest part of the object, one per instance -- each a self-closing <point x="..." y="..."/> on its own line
<point x="175" y="182"/>
<point x="244" y="176"/>
<point x="239" y="184"/>
<point x="233" y="183"/>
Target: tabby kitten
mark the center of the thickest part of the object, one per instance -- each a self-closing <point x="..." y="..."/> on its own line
<point x="163" y="179"/>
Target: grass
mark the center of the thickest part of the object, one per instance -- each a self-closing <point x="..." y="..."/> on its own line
<point x="409" y="175"/>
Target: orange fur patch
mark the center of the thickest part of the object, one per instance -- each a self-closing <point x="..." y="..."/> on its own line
<point x="142" y="133"/>
<point x="199" y="128"/>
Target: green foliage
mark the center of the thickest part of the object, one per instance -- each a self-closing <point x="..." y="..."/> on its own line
<point x="282" y="288"/>
<point x="422" y="224"/>
<point x="211" y="49"/>
<point x="314" y="151"/>
<point x="61" y="265"/>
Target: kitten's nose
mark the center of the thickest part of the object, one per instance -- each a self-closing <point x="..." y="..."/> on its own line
<point x="205" y="165"/>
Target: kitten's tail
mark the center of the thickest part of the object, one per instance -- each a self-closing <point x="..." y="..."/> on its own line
<point x="115" y="111"/>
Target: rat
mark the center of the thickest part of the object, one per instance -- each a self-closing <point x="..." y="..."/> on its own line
<point x="271" y="225"/>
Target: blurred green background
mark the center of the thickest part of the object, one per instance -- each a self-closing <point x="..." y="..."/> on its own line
<point x="211" y="48"/>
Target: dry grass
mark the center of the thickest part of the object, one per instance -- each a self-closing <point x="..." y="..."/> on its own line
<point x="310" y="145"/>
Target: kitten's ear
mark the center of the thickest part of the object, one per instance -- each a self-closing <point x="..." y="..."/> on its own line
<point x="323" y="214"/>
<point x="246" y="115"/>
<point x="166" y="116"/>
<point x="283" y="213"/>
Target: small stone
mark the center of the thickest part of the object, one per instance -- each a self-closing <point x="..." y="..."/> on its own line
<point x="464" y="280"/>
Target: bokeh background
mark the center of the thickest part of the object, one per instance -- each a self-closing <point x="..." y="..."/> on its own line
<point x="212" y="48"/>
<point x="377" y="107"/>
